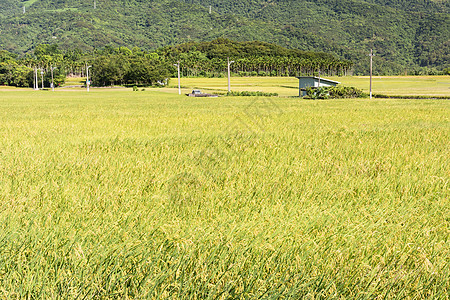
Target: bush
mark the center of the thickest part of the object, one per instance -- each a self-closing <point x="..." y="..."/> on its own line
<point x="334" y="92"/>
<point x="341" y="91"/>
<point x="262" y="73"/>
<point x="317" y="93"/>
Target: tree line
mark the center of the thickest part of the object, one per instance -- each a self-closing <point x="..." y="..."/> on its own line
<point x="124" y="66"/>
<point x="254" y="58"/>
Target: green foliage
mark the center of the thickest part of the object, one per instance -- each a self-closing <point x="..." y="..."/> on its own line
<point x="136" y="67"/>
<point x="22" y="76"/>
<point x="19" y="72"/>
<point x="126" y="67"/>
<point x="334" y="92"/>
<point x="14" y="74"/>
<point x="404" y="34"/>
<point x="317" y="93"/>
<point x="208" y="59"/>
<point x="341" y="91"/>
<point x="48" y="54"/>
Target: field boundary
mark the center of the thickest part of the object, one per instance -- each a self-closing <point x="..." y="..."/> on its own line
<point x="410" y="97"/>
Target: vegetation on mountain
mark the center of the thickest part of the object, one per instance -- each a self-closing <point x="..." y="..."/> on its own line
<point x="407" y="36"/>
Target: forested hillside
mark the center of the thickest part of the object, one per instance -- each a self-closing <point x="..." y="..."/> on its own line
<point x="407" y="36"/>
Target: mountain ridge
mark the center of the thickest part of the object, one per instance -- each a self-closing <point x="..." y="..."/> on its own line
<point x="405" y="37"/>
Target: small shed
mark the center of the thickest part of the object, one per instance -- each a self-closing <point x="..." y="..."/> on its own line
<point x="312" y="81"/>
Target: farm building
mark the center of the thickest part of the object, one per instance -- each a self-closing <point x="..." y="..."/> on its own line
<point x="310" y="81"/>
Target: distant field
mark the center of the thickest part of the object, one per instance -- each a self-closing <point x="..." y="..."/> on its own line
<point x="75" y="81"/>
<point x="121" y="194"/>
<point x="288" y="86"/>
<point x="401" y="85"/>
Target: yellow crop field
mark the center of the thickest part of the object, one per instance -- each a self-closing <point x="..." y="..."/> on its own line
<point x="288" y="86"/>
<point x="152" y="195"/>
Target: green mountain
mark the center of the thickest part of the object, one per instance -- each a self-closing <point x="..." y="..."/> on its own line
<point x="406" y="35"/>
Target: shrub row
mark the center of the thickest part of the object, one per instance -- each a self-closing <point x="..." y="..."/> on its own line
<point x="246" y="93"/>
<point x="334" y="92"/>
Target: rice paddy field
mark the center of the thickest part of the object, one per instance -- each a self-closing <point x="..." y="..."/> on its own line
<point x="115" y="194"/>
<point x="432" y="86"/>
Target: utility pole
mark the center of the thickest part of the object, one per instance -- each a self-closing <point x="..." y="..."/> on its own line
<point x="34" y="80"/>
<point x="87" y="77"/>
<point x="24" y="9"/>
<point x="179" y="77"/>
<point x="319" y="79"/>
<point x="210" y="9"/>
<point x="42" y="78"/>
<point x="229" y="64"/>
<point x="95" y="5"/>
<point x="370" y="88"/>
<point x="53" y="85"/>
<point x="36" y="86"/>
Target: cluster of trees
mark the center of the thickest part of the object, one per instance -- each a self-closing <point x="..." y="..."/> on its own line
<point x="109" y="66"/>
<point x="12" y="72"/>
<point x="252" y="58"/>
<point x="46" y="60"/>
<point x="195" y="64"/>
<point x="124" y="66"/>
